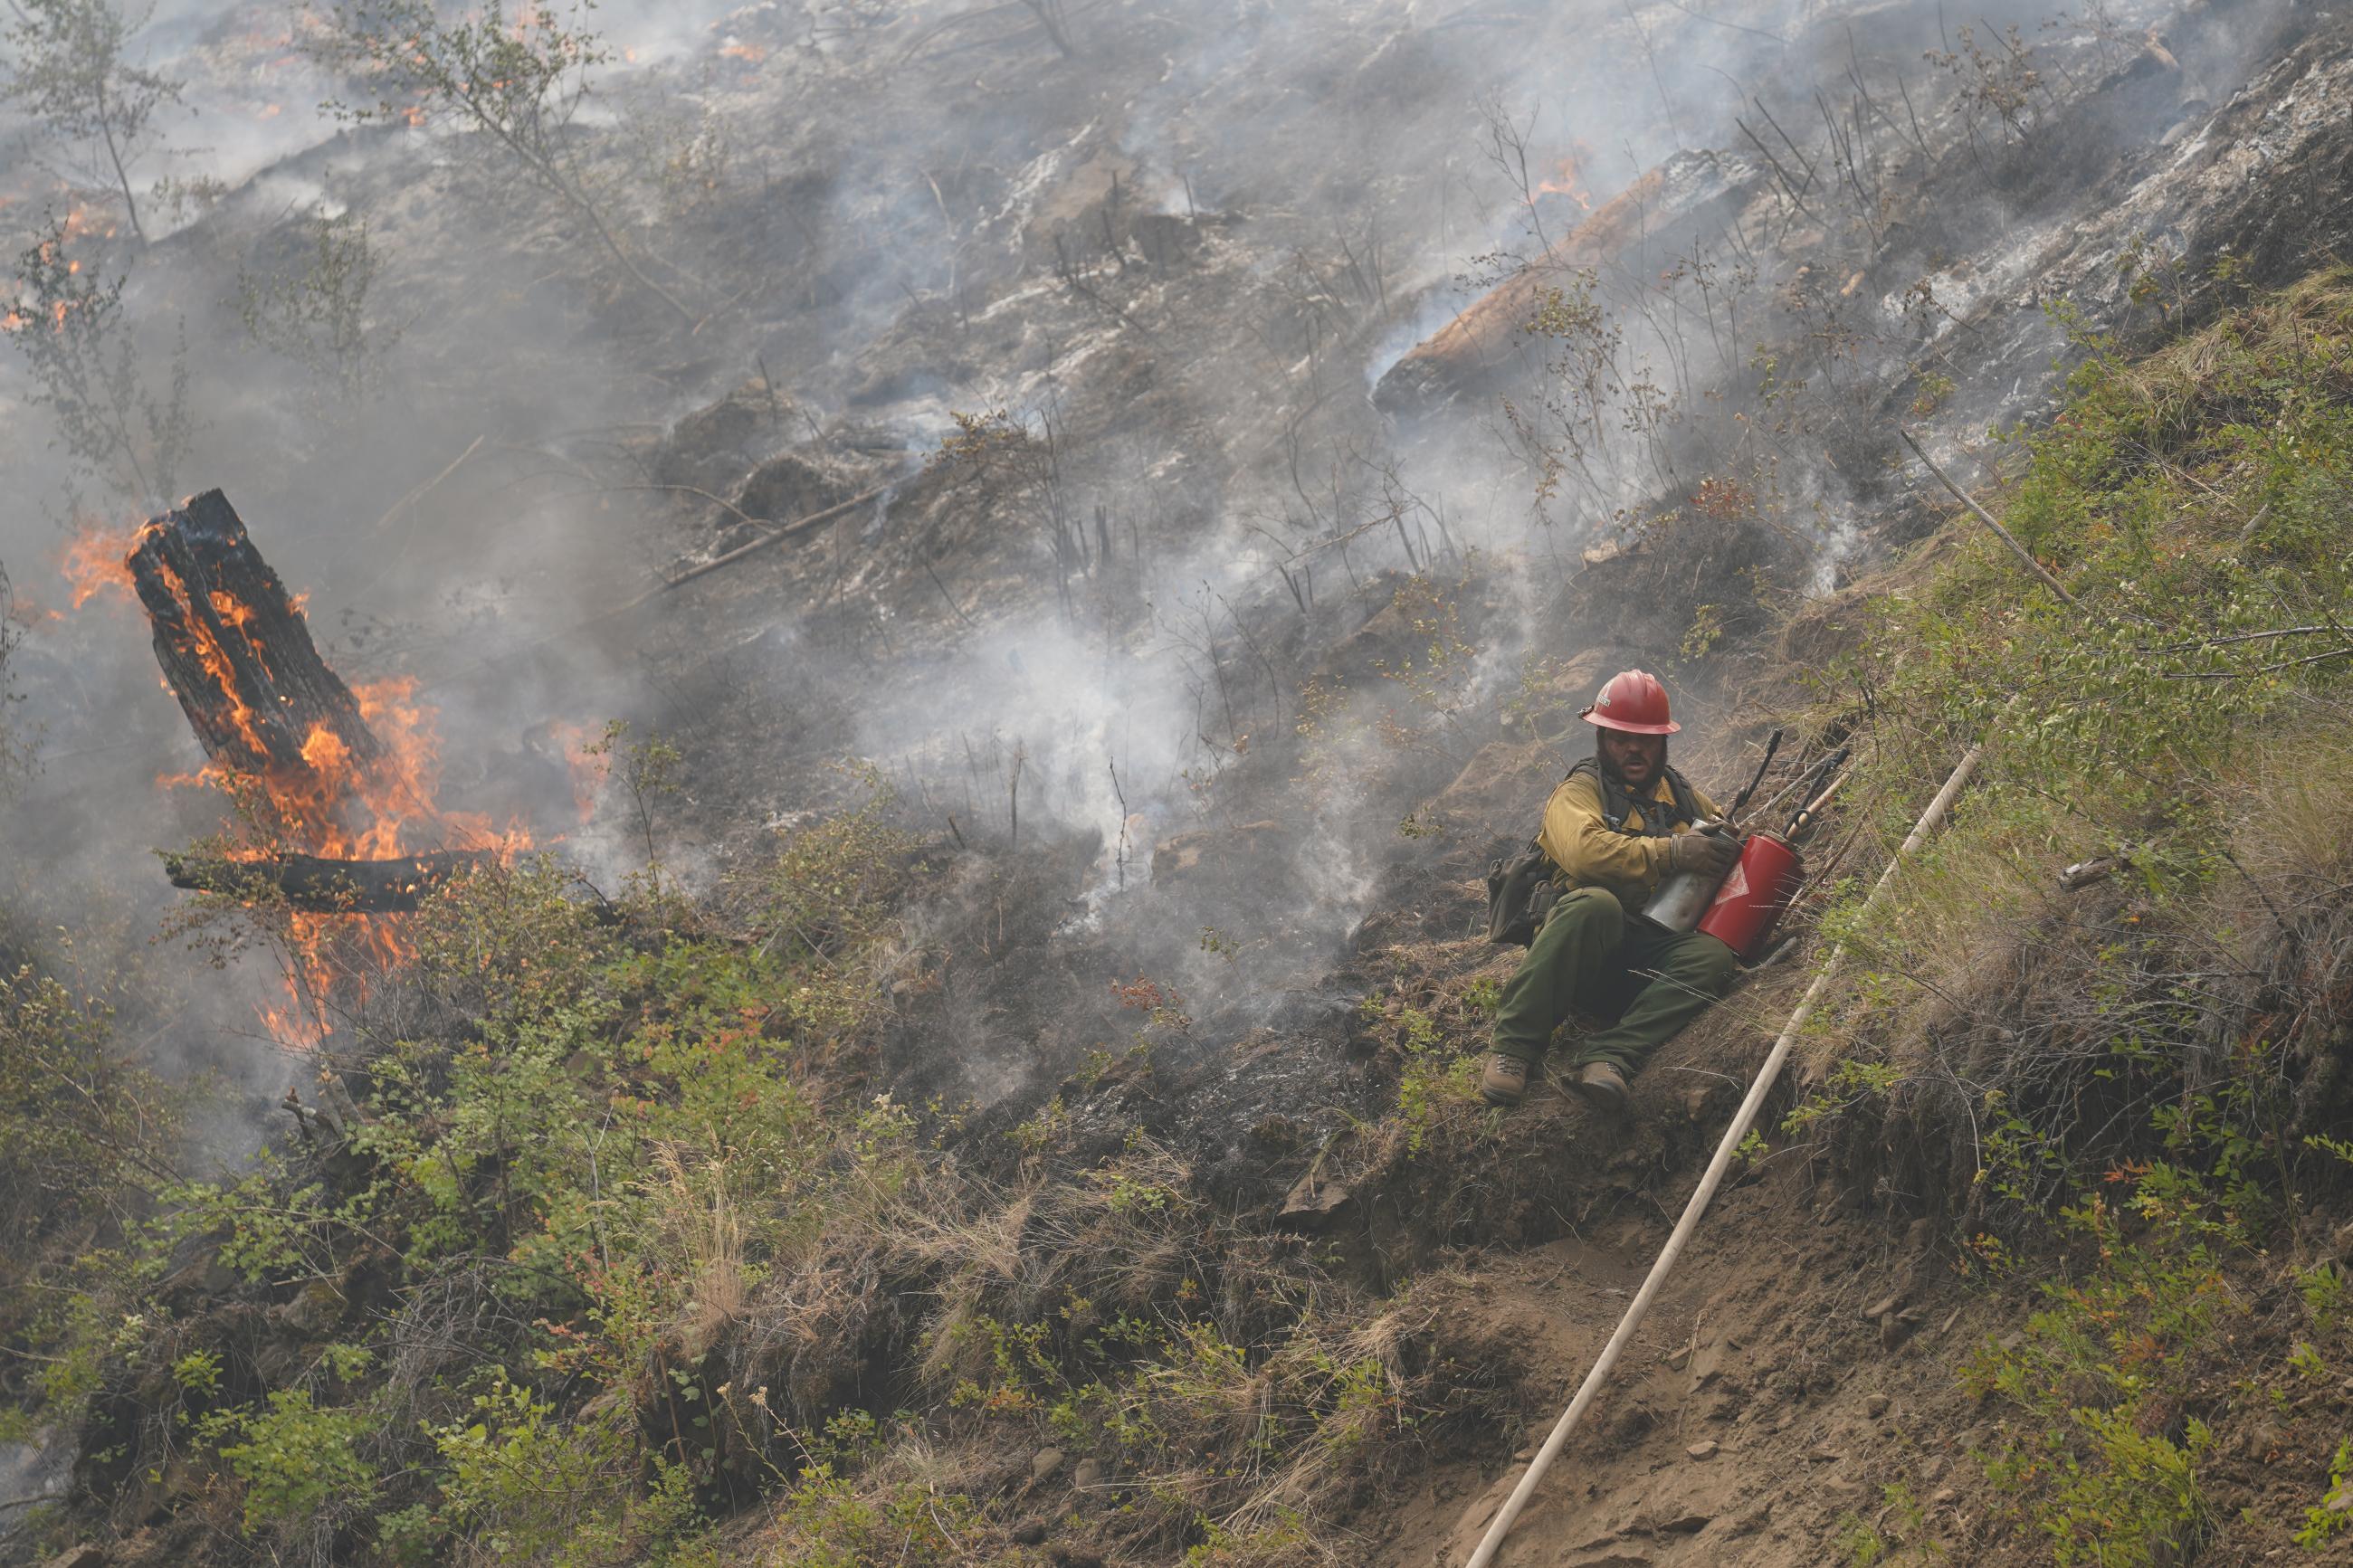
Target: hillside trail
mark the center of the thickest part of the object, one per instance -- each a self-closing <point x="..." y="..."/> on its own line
<point x="1797" y="1361"/>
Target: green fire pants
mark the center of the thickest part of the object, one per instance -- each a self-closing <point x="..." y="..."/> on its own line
<point x="1590" y="956"/>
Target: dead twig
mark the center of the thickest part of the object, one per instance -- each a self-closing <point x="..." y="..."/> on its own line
<point x="1989" y="520"/>
<point x="790" y="530"/>
<point x="2237" y="637"/>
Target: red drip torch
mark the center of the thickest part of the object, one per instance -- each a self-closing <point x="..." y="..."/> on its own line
<point x="1753" y="896"/>
<point x="1766" y="879"/>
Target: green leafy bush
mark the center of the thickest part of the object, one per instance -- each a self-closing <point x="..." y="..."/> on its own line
<point x="293" y="1456"/>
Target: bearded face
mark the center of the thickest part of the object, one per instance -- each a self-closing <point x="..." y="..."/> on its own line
<point x="1636" y="760"/>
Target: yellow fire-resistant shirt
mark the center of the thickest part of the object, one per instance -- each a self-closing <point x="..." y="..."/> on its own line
<point x="1592" y="855"/>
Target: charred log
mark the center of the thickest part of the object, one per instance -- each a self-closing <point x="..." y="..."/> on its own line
<point x="235" y="651"/>
<point x="1690" y="195"/>
<point x="315" y="885"/>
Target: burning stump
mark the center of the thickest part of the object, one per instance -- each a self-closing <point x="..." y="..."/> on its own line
<point x="272" y="715"/>
<point x="237" y="652"/>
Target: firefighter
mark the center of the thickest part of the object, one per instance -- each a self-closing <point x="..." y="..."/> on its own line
<point x="1615" y="826"/>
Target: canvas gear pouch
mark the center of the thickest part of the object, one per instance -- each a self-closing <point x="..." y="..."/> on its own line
<point x="1520" y="893"/>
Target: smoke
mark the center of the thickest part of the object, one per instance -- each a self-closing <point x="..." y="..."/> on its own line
<point x="1180" y="263"/>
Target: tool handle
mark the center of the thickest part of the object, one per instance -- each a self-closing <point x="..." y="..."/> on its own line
<point x="1819" y="768"/>
<point x="1772" y="744"/>
<point x="1805" y="815"/>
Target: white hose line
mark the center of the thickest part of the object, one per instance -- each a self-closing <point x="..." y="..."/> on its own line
<point x="1741" y="1121"/>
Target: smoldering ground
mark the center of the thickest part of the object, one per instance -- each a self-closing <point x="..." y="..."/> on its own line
<point x="1148" y="605"/>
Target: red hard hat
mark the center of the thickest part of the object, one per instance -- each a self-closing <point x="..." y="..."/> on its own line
<point x="1634" y="702"/>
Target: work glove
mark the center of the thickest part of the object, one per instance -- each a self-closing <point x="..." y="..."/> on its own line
<point x="1712" y="854"/>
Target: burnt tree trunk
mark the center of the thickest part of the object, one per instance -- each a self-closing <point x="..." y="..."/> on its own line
<point x="235" y="651"/>
<point x="309" y="883"/>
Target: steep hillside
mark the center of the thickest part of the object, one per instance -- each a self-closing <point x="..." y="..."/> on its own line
<point x="975" y="1062"/>
<point x="620" y="1248"/>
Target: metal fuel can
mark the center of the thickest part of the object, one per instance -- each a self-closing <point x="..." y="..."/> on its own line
<point x="1684" y="896"/>
<point x="1753" y="896"/>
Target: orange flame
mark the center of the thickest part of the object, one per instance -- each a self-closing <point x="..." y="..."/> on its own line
<point x="82" y="220"/>
<point x="587" y="769"/>
<point x="98" y="559"/>
<point x="1567" y="178"/>
<point x="334" y="804"/>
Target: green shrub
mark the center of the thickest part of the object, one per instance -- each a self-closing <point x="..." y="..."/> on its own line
<point x="293" y="1457"/>
<point x="528" y="1485"/>
<point x="2327" y="1519"/>
<point x="2096" y="1384"/>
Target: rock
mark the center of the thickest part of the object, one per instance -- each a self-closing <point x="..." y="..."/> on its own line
<point x="1088" y="1476"/>
<point x="1823" y="1454"/>
<point x="280" y="1361"/>
<point x="1876" y="1406"/>
<point x="1942" y="1496"/>
<point x="1029" y="1532"/>
<point x="203" y="1275"/>
<point x="1884" y="1305"/>
<point x="2262" y="1442"/>
<point x="1702" y="1449"/>
<point x="1046" y="1463"/>
<point x="317" y="1308"/>
<point x="1894" y="1328"/>
<point x="85" y="1555"/>
<point x="1685" y="1519"/>
<point x="1311" y="1203"/>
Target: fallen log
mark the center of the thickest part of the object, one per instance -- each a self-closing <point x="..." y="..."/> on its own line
<point x="237" y="653"/>
<point x="1670" y="210"/>
<point x="320" y="886"/>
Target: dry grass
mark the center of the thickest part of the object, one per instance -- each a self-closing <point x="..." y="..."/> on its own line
<point x="1228" y="1386"/>
<point x="705" y="1228"/>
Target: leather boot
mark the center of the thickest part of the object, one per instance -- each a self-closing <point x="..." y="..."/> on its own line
<point x="1602" y="1087"/>
<point x="1505" y="1081"/>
